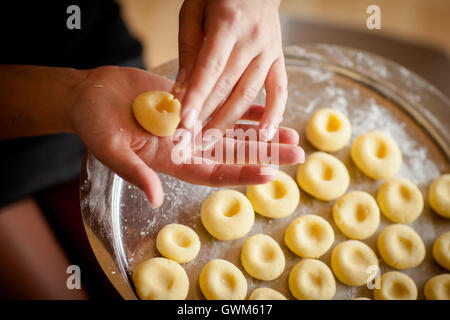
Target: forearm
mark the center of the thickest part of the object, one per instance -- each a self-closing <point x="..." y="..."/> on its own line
<point x="34" y="100"/>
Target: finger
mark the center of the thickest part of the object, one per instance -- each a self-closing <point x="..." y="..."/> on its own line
<point x="242" y="96"/>
<point x="127" y="164"/>
<point x="236" y="65"/>
<point x="190" y="37"/>
<point x="211" y="61"/>
<point x="239" y="150"/>
<point x="276" y="96"/>
<point x="147" y="81"/>
<point x="254" y="113"/>
<point x="285" y="135"/>
<point x="222" y="175"/>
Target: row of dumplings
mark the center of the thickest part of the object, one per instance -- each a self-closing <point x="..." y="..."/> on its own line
<point x="229" y="215"/>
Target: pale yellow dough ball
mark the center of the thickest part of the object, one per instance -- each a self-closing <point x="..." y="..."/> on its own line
<point x="309" y="236"/>
<point x="361" y="298"/>
<point x="350" y="261"/>
<point x="311" y="279"/>
<point x="266" y="294"/>
<point x="262" y="257"/>
<point x="178" y="242"/>
<point x="441" y="250"/>
<point x="438" y="287"/>
<point x="439" y="195"/>
<point x="395" y="285"/>
<point x="158" y="112"/>
<point x="401" y="247"/>
<point x="276" y="199"/>
<point x="160" y="279"/>
<point x="222" y="280"/>
<point x="376" y="154"/>
<point x="227" y="215"/>
<point x="323" y="176"/>
<point x="357" y="215"/>
<point x="400" y="200"/>
<point x="328" y="130"/>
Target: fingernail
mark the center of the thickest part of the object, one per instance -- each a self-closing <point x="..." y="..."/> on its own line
<point x="262" y="134"/>
<point x="267" y="132"/>
<point x="267" y="171"/>
<point x="295" y="155"/>
<point x="190" y="118"/>
<point x="301" y="155"/>
<point x="157" y="205"/>
<point x="179" y="90"/>
<point x="270" y="132"/>
<point x="181" y="75"/>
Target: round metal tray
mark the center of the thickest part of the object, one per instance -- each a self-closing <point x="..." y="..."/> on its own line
<point x="373" y="92"/>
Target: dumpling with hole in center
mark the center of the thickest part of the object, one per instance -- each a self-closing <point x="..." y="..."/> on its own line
<point x="276" y="199"/>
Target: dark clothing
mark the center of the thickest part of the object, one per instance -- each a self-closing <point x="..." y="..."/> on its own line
<point x="36" y="33"/>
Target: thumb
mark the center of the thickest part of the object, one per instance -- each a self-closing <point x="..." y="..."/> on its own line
<point x="128" y="165"/>
<point x="190" y="37"/>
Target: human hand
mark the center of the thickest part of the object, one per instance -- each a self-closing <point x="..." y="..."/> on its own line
<point x="102" y="116"/>
<point x="229" y="49"/>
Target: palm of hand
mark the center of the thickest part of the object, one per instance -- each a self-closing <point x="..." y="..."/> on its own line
<point x="104" y="120"/>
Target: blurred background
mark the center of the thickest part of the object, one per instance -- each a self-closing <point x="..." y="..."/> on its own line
<point x="421" y="22"/>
